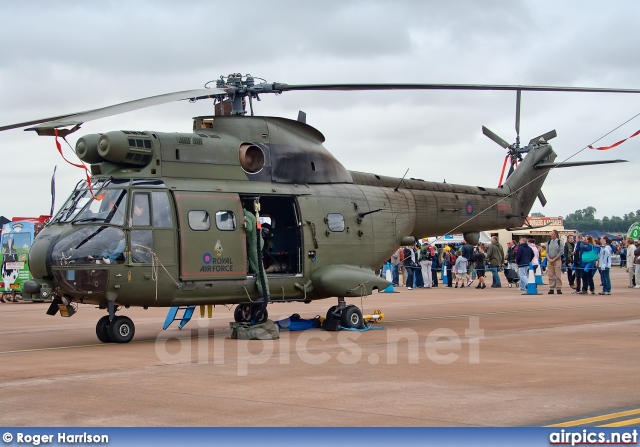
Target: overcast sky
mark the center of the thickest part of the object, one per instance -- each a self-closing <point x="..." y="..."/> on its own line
<point x="64" y="56"/>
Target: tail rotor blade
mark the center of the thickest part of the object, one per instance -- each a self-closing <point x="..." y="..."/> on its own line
<point x="495" y="137"/>
<point x="518" y="96"/>
<point x="546" y="136"/>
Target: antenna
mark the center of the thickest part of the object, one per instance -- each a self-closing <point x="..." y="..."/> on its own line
<point x="401" y="180"/>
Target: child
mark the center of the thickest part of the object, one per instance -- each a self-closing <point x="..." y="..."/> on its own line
<point x="480" y="258"/>
<point x="461" y="270"/>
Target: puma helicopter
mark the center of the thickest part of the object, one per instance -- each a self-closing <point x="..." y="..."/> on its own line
<point x="168" y="219"/>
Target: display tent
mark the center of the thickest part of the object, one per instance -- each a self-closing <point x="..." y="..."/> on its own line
<point x="598" y="234"/>
<point x="456" y="239"/>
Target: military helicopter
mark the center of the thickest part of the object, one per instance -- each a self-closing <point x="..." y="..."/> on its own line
<point x="169" y="219"/>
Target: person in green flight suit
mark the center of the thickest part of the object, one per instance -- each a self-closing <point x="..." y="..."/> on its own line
<point x="252" y="251"/>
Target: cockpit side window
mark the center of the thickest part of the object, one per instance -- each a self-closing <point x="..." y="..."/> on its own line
<point x="162" y="217"/>
<point x="140" y="214"/>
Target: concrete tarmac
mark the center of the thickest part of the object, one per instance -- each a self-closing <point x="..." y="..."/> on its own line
<point x="446" y="357"/>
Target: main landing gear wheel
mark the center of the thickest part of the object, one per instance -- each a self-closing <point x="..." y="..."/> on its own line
<point x="259" y="313"/>
<point x="102" y="329"/>
<point x="121" y="329"/>
<point x="352" y="318"/>
<point x="242" y="314"/>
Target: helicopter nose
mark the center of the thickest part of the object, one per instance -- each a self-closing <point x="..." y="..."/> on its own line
<point x="39" y="250"/>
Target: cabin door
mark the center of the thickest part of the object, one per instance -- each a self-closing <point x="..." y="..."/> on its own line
<point x="212" y="236"/>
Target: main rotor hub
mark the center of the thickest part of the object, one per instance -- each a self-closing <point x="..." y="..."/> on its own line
<point x="238" y="87"/>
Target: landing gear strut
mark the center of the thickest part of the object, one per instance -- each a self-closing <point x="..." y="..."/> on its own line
<point x="115" y="329"/>
<point x="347" y="316"/>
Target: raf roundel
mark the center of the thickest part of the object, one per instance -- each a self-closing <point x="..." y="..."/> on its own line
<point x="469" y="208"/>
<point x="206" y="258"/>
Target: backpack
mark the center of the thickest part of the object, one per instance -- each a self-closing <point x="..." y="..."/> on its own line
<point x="406" y="253"/>
<point x="451" y="259"/>
<point x="401" y="255"/>
<point x="429" y="254"/>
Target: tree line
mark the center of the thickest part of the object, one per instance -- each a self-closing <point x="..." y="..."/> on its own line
<point x="585" y="220"/>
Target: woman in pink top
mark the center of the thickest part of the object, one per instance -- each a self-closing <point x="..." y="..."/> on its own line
<point x="536" y="254"/>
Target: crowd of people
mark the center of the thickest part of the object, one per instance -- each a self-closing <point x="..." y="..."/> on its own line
<point x="579" y="258"/>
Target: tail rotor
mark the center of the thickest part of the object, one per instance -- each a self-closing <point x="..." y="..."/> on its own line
<point x="514" y="151"/>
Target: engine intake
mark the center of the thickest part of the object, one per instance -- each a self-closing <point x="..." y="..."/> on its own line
<point x="126" y="147"/>
<point x="87" y="149"/>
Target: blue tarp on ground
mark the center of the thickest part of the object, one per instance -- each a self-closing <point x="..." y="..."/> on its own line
<point x="295" y="323"/>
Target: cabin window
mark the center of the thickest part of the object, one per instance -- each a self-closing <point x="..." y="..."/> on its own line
<point x="162" y="217"/>
<point x="199" y="220"/>
<point x="335" y="221"/>
<point x="140" y="213"/>
<point x="226" y="220"/>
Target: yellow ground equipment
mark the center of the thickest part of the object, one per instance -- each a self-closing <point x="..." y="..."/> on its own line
<point x="375" y="318"/>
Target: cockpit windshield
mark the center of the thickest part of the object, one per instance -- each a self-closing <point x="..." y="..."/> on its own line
<point x="81" y="207"/>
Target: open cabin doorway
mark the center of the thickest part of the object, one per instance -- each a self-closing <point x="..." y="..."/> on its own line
<point x="280" y="220"/>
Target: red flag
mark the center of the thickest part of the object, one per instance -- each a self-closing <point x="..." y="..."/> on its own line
<point x="604" y="148"/>
<point x="81" y="166"/>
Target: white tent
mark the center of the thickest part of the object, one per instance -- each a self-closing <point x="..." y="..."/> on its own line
<point x="456" y="239"/>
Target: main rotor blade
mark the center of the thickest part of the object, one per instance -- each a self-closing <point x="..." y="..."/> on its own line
<point x="82" y="117"/>
<point x="573" y="164"/>
<point x="546" y="136"/>
<point x="495" y="137"/>
<point x="518" y="95"/>
<point x="534" y="88"/>
<point x="45" y="125"/>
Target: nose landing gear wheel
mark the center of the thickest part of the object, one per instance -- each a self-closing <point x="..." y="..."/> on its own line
<point x="121" y="329"/>
<point x="102" y="329"/>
